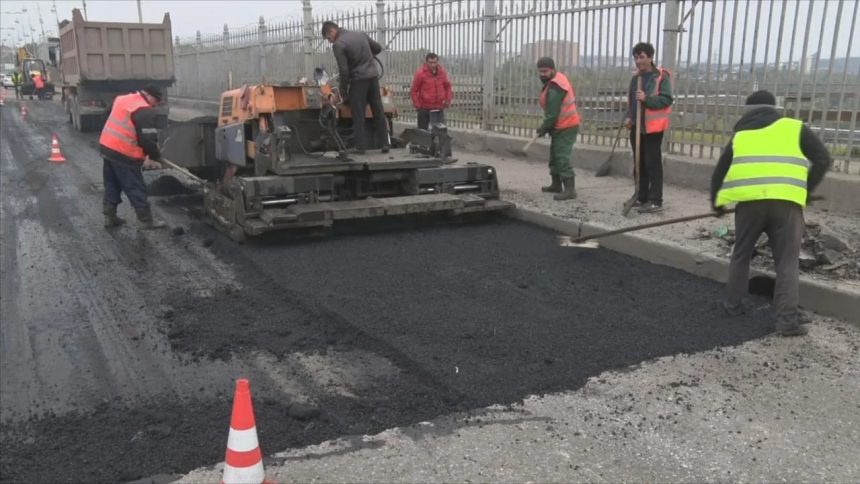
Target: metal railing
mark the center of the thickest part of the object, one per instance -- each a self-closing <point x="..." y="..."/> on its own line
<point x="718" y="51"/>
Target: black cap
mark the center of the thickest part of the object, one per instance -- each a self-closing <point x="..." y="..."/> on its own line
<point x="153" y="91"/>
<point x="764" y="98"/>
<point x="546" y="62"/>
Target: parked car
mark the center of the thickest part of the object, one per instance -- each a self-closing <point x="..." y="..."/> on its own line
<point x="6" y="80"/>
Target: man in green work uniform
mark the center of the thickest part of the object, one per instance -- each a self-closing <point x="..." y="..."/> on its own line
<point x="768" y="168"/>
<point x="16" y="82"/>
<point x="561" y="122"/>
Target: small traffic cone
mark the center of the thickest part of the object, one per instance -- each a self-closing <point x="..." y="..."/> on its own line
<point x="244" y="461"/>
<point x="2" y="95"/>
<point x="23" y="110"/>
<point x="56" y="155"/>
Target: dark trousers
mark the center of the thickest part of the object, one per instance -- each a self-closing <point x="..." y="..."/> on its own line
<point x="124" y="178"/>
<point x="17" y="92"/>
<point x="361" y="94"/>
<point x="783" y="223"/>
<point x="426" y="116"/>
<point x="650" y="166"/>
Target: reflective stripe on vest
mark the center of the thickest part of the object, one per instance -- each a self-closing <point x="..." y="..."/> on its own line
<point x="568" y="117"/>
<point x="119" y="133"/>
<point x="657" y="120"/>
<point x="767" y="164"/>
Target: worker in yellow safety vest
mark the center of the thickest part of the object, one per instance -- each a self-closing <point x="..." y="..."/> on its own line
<point x="768" y="169"/>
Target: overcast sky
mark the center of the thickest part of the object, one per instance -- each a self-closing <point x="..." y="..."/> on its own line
<point x="187" y="16"/>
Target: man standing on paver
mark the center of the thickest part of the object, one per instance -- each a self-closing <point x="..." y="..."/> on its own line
<point x="431" y="90"/>
<point x="561" y="122"/>
<point x="128" y="143"/>
<point x="355" y="53"/>
<point x="431" y="93"/>
<point x="768" y="168"/>
<point x="656" y="95"/>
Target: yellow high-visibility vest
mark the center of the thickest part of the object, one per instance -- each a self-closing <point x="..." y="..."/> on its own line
<point x="768" y="164"/>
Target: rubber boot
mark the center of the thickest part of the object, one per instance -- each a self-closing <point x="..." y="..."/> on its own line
<point x="555" y="187"/>
<point x="569" y="192"/>
<point x="111" y="218"/>
<point x="147" y="221"/>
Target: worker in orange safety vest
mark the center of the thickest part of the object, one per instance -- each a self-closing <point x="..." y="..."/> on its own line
<point x="129" y="143"/>
<point x="656" y="96"/>
<point x="561" y="122"/>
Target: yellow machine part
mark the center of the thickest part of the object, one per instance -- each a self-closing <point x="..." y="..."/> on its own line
<point x="248" y="102"/>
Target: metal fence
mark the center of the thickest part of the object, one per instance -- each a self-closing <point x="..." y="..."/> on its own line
<point x="719" y="52"/>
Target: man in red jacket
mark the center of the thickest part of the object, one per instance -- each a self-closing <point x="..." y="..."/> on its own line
<point x="431" y="92"/>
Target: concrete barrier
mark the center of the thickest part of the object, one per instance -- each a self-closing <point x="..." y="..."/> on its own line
<point x="823" y="297"/>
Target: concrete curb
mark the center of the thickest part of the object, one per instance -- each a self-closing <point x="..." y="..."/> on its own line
<point x="822" y="297"/>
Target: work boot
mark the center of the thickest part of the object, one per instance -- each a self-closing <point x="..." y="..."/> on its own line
<point x="555" y="187"/>
<point x="111" y="218"/>
<point x="569" y="192"/>
<point x="147" y="221"/>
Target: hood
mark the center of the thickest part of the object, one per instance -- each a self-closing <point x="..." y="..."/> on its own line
<point x="758" y="117"/>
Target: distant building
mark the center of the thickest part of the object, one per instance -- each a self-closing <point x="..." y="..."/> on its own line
<point x="565" y="53"/>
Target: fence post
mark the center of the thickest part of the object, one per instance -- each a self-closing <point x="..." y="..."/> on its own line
<point x="669" y="56"/>
<point x="225" y="43"/>
<point x="261" y="40"/>
<point x="197" y="45"/>
<point x="307" y="39"/>
<point x="380" y="22"/>
<point x="489" y="73"/>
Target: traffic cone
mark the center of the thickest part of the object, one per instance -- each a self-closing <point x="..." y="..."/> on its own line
<point x="56" y="155"/>
<point x="23" y="110"/>
<point x="244" y="461"/>
<point x="2" y="95"/>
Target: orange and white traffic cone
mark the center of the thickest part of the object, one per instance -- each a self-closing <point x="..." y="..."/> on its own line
<point x="23" y="110"/>
<point x="244" y="461"/>
<point x="2" y="95"/>
<point x="56" y="155"/>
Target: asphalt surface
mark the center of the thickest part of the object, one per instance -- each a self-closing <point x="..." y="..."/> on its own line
<point x="119" y="348"/>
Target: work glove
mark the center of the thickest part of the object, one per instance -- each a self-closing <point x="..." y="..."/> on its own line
<point x="719" y="211"/>
<point x="542" y="132"/>
<point x="151" y="165"/>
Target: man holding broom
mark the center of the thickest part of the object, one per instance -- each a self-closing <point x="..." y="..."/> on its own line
<point x="652" y="88"/>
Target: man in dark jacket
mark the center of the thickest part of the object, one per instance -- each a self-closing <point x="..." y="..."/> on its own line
<point x="129" y="143"/>
<point x="359" y="80"/>
<point x="656" y="97"/>
<point x="768" y="168"/>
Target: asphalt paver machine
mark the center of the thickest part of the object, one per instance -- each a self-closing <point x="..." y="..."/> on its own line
<point x="277" y="157"/>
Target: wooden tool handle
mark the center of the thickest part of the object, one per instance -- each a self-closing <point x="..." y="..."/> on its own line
<point x="531" y="141"/>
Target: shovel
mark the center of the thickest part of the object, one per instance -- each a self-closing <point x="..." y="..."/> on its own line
<point x="636" y="155"/>
<point x="588" y="242"/>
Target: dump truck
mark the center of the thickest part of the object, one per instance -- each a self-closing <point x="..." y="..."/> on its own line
<point x="102" y="60"/>
<point x="277" y="158"/>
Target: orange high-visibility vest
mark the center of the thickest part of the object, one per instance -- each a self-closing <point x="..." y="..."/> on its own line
<point x="119" y="133"/>
<point x="568" y="117"/>
<point x="657" y="120"/>
<point x="38" y="82"/>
